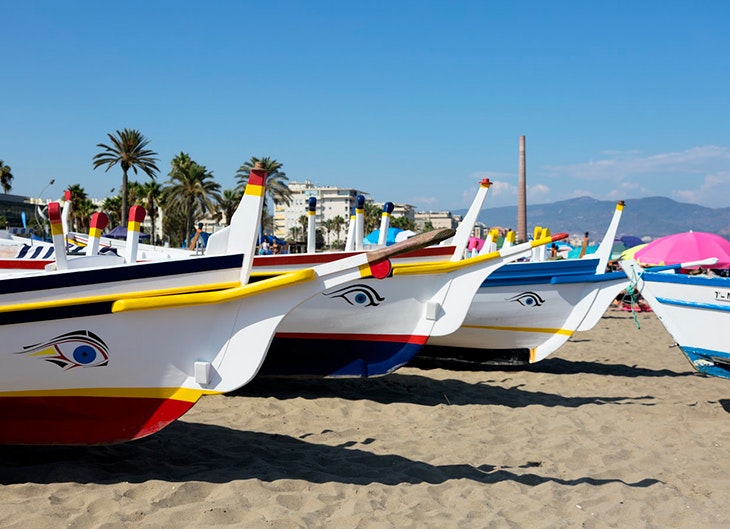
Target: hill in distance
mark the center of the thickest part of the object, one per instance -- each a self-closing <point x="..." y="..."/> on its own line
<point x="642" y="217"/>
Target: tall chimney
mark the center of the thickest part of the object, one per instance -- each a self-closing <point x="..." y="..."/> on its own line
<point x="522" y="197"/>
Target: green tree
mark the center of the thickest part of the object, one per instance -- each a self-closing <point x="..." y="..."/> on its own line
<point x="6" y="177"/>
<point x="327" y="227"/>
<point x="78" y="207"/>
<point x="373" y="214"/>
<point x="338" y="223"/>
<point x="403" y="222"/>
<point x="128" y="148"/>
<point x="151" y="193"/>
<point x="191" y="190"/>
<point x="276" y="186"/>
<point x="304" y="223"/>
<point x="230" y="198"/>
<point x="86" y="209"/>
<point x="112" y="206"/>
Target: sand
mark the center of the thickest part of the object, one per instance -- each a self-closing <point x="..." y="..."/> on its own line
<point x="613" y="430"/>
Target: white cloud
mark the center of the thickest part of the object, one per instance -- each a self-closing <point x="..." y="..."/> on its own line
<point x="698" y="174"/>
<point x="695" y="160"/>
<point x="537" y="192"/>
<point x="423" y="200"/>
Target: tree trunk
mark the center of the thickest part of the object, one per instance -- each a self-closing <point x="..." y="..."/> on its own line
<point x="125" y="207"/>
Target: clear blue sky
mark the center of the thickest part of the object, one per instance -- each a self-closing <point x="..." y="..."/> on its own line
<point x="408" y="101"/>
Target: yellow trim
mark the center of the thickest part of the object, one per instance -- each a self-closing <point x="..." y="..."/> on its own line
<point x="365" y="270"/>
<point x="94" y="232"/>
<point x="533" y="354"/>
<point x="181" y="394"/>
<point x="545" y="330"/>
<point x="619" y="207"/>
<point x="218" y="296"/>
<point x="56" y="229"/>
<point x="58" y="303"/>
<point x="441" y="267"/>
<point x="254" y="190"/>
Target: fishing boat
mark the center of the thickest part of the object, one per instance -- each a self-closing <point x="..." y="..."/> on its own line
<point x="695" y="310"/>
<point x="428" y="294"/>
<point x="121" y="363"/>
<point x="366" y="329"/>
<point x="525" y="311"/>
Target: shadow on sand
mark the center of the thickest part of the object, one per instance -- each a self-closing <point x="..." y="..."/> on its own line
<point x="424" y="391"/>
<point x="199" y="452"/>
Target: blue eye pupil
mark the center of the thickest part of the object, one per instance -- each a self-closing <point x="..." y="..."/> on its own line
<point x="84" y="354"/>
<point x="360" y="298"/>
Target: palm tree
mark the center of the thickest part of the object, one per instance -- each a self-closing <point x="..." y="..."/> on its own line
<point x="304" y="222"/>
<point x="373" y="214"/>
<point x="78" y="197"/>
<point x="230" y="198"/>
<point x="276" y="181"/>
<point x="327" y="227"/>
<point x="128" y="149"/>
<point x="338" y="223"/>
<point x="86" y="208"/>
<point x="6" y="177"/>
<point x="191" y="190"/>
<point x="403" y="222"/>
<point x="150" y="193"/>
<point x="112" y="206"/>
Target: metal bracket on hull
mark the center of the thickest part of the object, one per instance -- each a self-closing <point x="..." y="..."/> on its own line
<point x="202" y="373"/>
<point x="433" y="310"/>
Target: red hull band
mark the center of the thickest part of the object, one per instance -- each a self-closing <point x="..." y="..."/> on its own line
<point x="57" y="420"/>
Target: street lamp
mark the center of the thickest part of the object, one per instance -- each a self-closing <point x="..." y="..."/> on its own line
<point x="39" y="211"/>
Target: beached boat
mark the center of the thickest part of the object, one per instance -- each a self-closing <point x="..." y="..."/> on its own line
<point x="525" y="311"/>
<point x="695" y="310"/>
<point x="429" y="294"/>
<point x="366" y="329"/>
<point x="124" y="361"/>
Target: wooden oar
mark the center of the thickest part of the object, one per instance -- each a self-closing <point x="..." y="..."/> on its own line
<point x="379" y="260"/>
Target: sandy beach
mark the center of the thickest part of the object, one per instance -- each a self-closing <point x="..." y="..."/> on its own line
<point x="614" y="430"/>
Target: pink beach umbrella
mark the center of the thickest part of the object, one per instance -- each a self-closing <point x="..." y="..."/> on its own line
<point x="684" y="248"/>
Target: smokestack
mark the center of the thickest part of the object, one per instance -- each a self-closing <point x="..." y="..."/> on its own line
<point x="522" y="197"/>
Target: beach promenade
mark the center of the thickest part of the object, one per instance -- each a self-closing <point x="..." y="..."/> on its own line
<point x="613" y="430"/>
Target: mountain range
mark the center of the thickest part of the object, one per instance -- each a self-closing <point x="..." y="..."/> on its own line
<point x="650" y="217"/>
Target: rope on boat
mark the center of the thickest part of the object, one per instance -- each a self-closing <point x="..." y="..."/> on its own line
<point x="632" y="293"/>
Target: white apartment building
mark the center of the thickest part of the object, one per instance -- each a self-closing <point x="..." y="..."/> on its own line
<point x="331" y="202"/>
<point x="438" y="219"/>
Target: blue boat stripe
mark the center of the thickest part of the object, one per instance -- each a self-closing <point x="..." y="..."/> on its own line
<point x="153" y="269"/>
<point x="693" y="304"/>
<point x="23" y="250"/>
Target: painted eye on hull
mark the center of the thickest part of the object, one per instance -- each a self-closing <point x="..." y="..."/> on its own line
<point x="528" y="299"/>
<point x="74" y="349"/>
<point x="359" y="295"/>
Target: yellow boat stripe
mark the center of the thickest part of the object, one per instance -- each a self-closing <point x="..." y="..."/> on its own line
<point x="218" y="296"/>
<point x="182" y="394"/>
<point x="545" y="330"/>
<point x="114" y="297"/>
